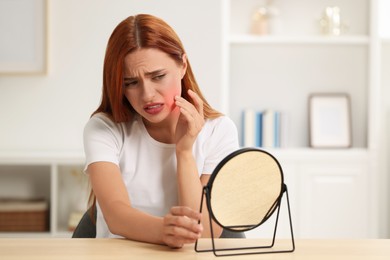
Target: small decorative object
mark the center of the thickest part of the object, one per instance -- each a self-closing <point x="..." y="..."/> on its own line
<point x="331" y="22"/>
<point x="330" y="120"/>
<point x="264" y="19"/>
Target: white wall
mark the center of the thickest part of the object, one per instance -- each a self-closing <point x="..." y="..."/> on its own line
<point x="385" y="151"/>
<point x="384" y="18"/>
<point x="48" y="112"/>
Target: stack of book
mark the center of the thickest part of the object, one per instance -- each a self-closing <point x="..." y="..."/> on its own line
<point x="264" y="128"/>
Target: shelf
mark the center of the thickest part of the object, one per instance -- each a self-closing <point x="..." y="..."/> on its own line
<point x="41" y="157"/>
<point x="300" y="17"/>
<point x="56" y="176"/>
<point x="314" y="153"/>
<point x="266" y="76"/>
<point x="314" y="39"/>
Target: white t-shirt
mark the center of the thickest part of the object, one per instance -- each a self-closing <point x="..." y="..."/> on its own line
<point x="148" y="167"/>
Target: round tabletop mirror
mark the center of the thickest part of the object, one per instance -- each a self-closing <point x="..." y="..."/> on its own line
<point x="245" y="189"/>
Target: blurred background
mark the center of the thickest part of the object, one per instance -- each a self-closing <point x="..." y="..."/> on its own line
<point x="252" y="55"/>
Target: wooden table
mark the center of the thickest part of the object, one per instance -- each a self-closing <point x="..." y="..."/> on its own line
<point x="96" y="249"/>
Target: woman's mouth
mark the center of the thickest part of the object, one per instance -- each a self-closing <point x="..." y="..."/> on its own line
<point x="153" y="108"/>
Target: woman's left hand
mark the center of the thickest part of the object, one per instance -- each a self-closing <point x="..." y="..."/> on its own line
<point x="190" y="123"/>
<point x="181" y="226"/>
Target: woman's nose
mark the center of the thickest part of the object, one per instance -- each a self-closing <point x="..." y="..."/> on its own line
<point x="148" y="91"/>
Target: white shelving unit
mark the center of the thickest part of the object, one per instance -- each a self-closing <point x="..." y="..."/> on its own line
<point x="269" y="77"/>
<point x="385" y="151"/>
<point x="333" y="191"/>
<point x="55" y="176"/>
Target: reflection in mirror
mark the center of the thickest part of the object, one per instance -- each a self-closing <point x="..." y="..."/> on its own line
<point x="244" y="190"/>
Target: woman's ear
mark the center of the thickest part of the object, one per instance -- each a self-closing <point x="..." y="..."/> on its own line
<point x="184" y="62"/>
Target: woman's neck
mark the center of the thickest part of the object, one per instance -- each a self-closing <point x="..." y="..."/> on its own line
<point x="164" y="131"/>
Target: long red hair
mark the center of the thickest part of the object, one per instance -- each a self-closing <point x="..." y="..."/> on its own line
<point x="135" y="32"/>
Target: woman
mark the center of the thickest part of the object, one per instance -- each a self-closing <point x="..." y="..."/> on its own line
<point x="154" y="140"/>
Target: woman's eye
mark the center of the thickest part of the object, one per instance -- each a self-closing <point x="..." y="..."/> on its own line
<point x="158" y="77"/>
<point x="130" y="84"/>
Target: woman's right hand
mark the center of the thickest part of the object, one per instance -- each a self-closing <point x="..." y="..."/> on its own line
<point x="181" y="226"/>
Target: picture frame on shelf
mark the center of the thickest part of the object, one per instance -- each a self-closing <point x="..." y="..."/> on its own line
<point x="23" y="45"/>
<point x="330" y="120"/>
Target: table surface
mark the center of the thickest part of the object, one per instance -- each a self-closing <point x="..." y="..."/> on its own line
<point x="96" y="249"/>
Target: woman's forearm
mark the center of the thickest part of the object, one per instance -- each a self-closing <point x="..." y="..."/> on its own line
<point x="178" y="227"/>
<point x="189" y="184"/>
<point x="131" y="223"/>
<point x="190" y="190"/>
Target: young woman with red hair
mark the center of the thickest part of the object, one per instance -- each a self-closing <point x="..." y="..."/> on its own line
<point x="154" y="140"/>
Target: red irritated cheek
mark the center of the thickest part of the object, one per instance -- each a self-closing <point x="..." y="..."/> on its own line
<point x="171" y="99"/>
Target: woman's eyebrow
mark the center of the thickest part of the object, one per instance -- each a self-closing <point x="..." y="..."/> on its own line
<point x="147" y="74"/>
<point x="154" y="72"/>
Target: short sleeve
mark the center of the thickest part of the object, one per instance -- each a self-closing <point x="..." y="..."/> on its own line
<point x="102" y="140"/>
<point x="223" y="141"/>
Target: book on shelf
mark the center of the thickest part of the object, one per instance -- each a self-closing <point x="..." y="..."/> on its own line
<point x="265" y="128"/>
<point x="251" y="125"/>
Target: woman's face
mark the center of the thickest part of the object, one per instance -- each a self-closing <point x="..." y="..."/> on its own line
<point x="152" y="79"/>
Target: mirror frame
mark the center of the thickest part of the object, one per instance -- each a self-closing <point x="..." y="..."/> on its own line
<point x="214" y="174"/>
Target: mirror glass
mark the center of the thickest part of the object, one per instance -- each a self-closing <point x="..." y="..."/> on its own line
<point x="245" y="189"/>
